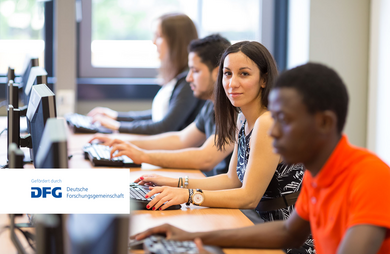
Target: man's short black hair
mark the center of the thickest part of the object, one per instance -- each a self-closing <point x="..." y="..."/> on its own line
<point x="209" y="49"/>
<point x="321" y="88"/>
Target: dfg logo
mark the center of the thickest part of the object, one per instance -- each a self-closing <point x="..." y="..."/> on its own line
<point x="37" y="192"/>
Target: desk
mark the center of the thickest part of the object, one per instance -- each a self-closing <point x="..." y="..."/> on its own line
<point x="190" y="219"/>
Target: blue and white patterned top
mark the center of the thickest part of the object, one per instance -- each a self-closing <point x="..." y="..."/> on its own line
<point x="286" y="180"/>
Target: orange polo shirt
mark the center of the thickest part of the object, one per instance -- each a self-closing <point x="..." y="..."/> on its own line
<point x="351" y="189"/>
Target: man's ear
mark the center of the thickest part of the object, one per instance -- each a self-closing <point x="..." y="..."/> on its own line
<point x="326" y="121"/>
<point x="214" y="74"/>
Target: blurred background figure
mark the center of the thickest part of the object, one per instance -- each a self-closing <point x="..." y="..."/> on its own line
<point x="174" y="106"/>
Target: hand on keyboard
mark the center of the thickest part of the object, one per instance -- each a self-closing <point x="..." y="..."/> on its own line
<point x="100" y="139"/>
<point x="167" y="196"/>
<point x="105" y="140"/>
<point x="154" y="179"/>
<point x="171" y="233"/>
<point x="100" y="155"/>
<point x="176" y="241"/>
<point x="106" y="122"/>
<point x="103" y="111"/>
<point x="130" y="150"/>
<point x="141" y="197"/>
<point x="121" y="148"/>
<point x="158" y="244"/>
<point x="83" y="124"/>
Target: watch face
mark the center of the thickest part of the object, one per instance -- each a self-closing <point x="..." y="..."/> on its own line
<point x="197" y="198"/>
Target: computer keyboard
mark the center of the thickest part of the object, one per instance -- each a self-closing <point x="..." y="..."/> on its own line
<point x="83" y="124"/>
<point x="99" y="155"/>
<point x="137" y="196"/>
<point x="159" y="245"/>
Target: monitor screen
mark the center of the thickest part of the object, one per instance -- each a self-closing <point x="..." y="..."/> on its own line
<point x="53" y="148"/>
<point x="38" y="75"/>
<point x="41" y="107"/>
<point x="30" y="62"/>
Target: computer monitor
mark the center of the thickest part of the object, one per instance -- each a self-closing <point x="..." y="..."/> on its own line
<point x="38" y="75"/>
<point x="49" y="233"/>
<point x="85" y="233"/>
<point x="53" y="148"/>
<point x="98" y="233"/>
<point x="41" y="107"/>
<point x="30" y="62"/>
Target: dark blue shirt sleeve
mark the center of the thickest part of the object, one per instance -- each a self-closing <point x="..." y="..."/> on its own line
<point x="134" y="115"/>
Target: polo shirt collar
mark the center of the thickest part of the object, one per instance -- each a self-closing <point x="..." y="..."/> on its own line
<point x="335" y="164"/>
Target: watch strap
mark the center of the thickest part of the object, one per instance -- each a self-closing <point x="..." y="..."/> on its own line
<point x="190" y="193"/>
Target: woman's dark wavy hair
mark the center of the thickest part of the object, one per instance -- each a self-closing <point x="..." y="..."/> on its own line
<point x="225" y="112"/>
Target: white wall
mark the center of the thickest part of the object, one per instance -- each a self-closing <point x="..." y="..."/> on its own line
<point x="298" y="33"/>
<point x="65" y="55"/>
<point x="378" y="138"/>
<point x="339" y="38"/>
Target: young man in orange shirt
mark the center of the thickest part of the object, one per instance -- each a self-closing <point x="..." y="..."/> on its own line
<point x="344" y="201"/>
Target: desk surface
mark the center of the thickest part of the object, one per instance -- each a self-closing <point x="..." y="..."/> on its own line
<point x="193" y="218"/>
<point x="190" y="219"/>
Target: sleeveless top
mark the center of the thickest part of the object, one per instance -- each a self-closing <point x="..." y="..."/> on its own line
<point x="286" y="180"/>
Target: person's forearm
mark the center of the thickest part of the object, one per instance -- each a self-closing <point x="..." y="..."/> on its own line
<point x="218" y="182"/>
<point x="134" y="115"/>
<point x="164" y="141"/>
<point x="193" y="158"/>
<point x="271" y="235"/>
<point x="239" y="198"/>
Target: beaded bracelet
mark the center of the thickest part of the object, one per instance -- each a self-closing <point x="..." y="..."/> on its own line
<point x="186" y="182"/>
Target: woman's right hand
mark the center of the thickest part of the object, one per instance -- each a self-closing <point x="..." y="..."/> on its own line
<point x="171" y="233"/>
<point x="101" y="138"/>
<point x="103" y="111"/>
<point x="106" y="140"/>
<point x="153" y="179"/>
